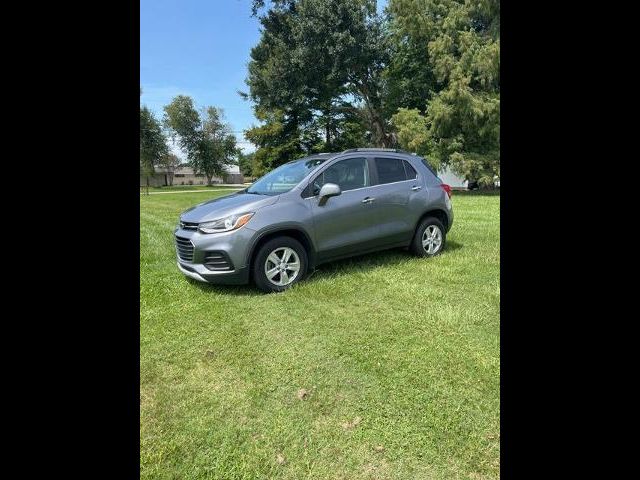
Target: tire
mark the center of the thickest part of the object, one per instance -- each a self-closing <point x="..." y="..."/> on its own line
<point x="432" y="247"/>
<point x="283" y="274"/>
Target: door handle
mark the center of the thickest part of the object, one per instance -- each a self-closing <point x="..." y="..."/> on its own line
<point x="368" y="200"/>
<point x="415" y="188"/>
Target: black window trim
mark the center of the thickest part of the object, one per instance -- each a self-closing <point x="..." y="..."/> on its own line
<point x="406" y="162"/>
<point x="428" y="167"/>
<point x="373" y="171"/>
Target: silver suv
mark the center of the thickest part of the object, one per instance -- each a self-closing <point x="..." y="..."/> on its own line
<point x="315" y="210"/>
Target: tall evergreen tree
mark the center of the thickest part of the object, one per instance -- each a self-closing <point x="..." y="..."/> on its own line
<point x="462" y="120"/>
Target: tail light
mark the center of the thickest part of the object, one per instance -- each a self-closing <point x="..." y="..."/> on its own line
<point x="446" y="188"/>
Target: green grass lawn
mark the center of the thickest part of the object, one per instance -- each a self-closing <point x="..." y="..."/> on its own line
<point x="183" y="188"/>
<point x="399" y="356"/>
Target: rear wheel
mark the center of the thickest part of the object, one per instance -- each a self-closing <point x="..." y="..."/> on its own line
<point x="429" y="239"/>
<point x="280" y="263"/>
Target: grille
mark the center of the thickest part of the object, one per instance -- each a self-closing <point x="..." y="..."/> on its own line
<point x="184" y="248"/>
<point x="188" y="225"/>
<point x="217" y="261"/>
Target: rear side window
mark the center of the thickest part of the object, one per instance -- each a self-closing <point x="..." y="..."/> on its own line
<point x="426" y="164"/>
<point x="410" y="171"/>
<point x="390" y="170"/>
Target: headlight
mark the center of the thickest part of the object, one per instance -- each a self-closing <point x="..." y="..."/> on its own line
<point x="226" y="224"/>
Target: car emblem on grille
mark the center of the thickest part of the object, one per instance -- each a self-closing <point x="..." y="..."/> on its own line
<point x="181" y="224"/>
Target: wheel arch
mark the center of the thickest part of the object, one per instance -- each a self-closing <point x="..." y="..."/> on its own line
<point x="438" y="213"/>
<point x="286" y="231"/>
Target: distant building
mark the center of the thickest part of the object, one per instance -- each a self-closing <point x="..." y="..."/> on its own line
<point x="454" y="181"/>
<point x="447" y="176"/>
<point x="186" y="176"/>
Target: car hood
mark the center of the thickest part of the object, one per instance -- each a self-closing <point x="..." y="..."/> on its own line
<point x="228" y="205"/>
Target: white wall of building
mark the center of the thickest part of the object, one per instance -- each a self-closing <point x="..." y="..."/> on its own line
<point x="232" y="169"/>
<point x="451" y="179"/>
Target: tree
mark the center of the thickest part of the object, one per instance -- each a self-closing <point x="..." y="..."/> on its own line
<point x="462" y="119"/>
<point x="348" y="129"/>
<point x="153" y="144"/>
<point x="208" y="142"/>
<point x="320" y="62"/>
<point x="409" y="78"/>
<point x="329" y="74"/>
<point x="413" y="133"/>
<point x="278" y="139"/>
<point x="245" y="162"/>
<point x="170" y="162"/>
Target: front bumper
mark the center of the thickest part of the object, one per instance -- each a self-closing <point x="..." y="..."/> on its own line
<point x="203" y="274"/>
<point x="234" y="244"/>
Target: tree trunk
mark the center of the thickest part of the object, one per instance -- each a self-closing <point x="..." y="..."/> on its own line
<point x="381" y="138"/>
<point x="380" y="135"/>
<point x="209" y="177"/>
<point x="327" y="129"/>
<point x="170" y="176"/>
<point x="147" y="184"/>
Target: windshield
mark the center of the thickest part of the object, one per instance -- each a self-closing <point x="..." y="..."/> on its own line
<point x="285" y="177"/>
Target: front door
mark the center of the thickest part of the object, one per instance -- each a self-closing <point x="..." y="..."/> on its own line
<point x="345" y="224"/>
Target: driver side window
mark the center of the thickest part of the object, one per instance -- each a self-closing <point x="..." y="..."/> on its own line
<point x="348" y="174"/>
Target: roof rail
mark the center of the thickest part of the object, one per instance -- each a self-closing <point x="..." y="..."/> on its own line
<point x="367" y="149"/>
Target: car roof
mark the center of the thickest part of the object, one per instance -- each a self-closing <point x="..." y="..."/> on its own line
<point x="319" y="155"/>
<point x="374" y="150"/>
<point x="328" y="155"/>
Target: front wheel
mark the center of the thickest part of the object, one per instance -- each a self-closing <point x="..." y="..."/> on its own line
<point x="429" y="238"/>
<point x="280" y="263"/>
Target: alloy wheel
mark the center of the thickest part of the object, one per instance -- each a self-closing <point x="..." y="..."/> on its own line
<point x="432" y="239"/>
<point x="282" y="266"/>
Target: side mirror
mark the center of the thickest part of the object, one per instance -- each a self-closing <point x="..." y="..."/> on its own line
<point x="328" y="190"/>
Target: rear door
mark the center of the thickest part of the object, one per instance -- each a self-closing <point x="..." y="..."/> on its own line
<point x="395" y="180"/>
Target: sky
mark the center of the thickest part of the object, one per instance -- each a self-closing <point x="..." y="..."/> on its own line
<point x="199" y="48"/>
